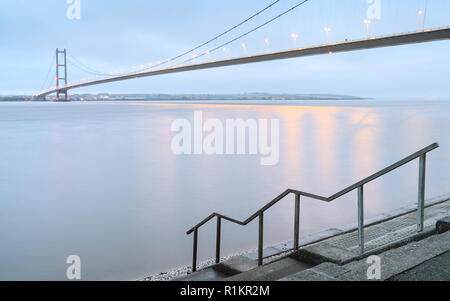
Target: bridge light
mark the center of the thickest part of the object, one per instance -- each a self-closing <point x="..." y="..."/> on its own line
<point x="244" y="46"/>
<point x="327" y="31"/>
<point x="294" y="37"/>
<point x="420" y="20"/>
<point x="367" y="22"/>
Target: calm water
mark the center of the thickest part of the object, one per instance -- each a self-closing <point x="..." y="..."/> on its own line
<point x="99" y="180"/>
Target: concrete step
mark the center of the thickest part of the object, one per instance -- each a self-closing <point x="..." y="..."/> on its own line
<point x="395" y="264"/>
<point x="208" y="274"/>
<point x="231" y="267"/>
<point x="242" y="268"/>
<point x="272" y="271"/>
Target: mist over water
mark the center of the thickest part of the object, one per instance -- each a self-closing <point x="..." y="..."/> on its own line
<point x="99" y="180"/>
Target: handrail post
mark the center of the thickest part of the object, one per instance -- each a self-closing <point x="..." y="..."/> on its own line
<point x="260" y="238"/>
<point x="297" y="221"/>
<point x="194" y="258"/>
<point x="361" y="217"/>
<point x="219" y="224"/>
<point x="421" y="200"/>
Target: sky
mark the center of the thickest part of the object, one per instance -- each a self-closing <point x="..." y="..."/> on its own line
<point x="117" y="35"/>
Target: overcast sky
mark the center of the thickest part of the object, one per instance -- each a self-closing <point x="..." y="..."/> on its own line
<point x="114" y="35"/>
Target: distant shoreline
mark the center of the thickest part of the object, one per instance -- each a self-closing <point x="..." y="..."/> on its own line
<point x="193" y="97"/>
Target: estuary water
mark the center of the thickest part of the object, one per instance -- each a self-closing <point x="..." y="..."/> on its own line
<point x="101" y="181"/>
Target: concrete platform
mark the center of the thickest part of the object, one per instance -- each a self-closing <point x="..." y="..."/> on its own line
<point x="402" y="263"/>
<point x="344" y="248"/>
<point x="435" y="269"/>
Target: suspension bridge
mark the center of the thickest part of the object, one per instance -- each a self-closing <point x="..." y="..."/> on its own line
<point x="62" y="86"/>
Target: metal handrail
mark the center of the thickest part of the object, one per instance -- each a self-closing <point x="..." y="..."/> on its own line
<point x="359" y="185"/>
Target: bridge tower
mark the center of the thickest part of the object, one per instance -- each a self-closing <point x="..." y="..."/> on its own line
<point x="61" y="56"/>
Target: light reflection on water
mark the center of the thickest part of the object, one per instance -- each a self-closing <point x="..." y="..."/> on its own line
<point x="99" y="180"/>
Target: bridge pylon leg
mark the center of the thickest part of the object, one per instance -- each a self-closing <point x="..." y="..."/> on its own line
<point x="61" y="62"/>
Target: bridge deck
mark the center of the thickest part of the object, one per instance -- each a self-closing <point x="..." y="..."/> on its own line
<point x="375" y="42"/>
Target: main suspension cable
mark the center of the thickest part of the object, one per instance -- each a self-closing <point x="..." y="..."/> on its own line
<point x="245" y="34"/>
<point x="52" y="64"/>
<point x="216" y="37"/>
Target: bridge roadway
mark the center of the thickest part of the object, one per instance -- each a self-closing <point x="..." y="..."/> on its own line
<point x="369" y="43"/>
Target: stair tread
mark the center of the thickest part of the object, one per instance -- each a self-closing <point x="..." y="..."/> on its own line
<point x="208" y="274"/>
<point x="271" y="272"/>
